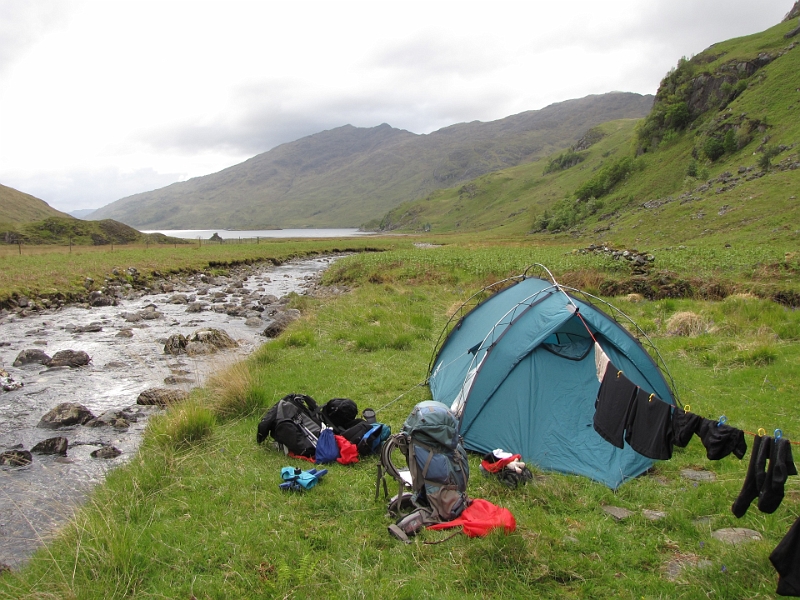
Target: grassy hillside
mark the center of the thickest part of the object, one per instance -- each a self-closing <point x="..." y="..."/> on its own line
<point x="65" y="230"/>
<point x="717" y="159"/>
<point x="18" y="207"/>
<point x="347" y="176"/>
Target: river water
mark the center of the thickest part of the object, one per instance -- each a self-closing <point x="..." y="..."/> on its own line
<point x="36" y="499"/>
<point x="225" y="234"/>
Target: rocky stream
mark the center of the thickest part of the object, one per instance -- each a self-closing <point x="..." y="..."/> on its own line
<point x="79" y="381"/>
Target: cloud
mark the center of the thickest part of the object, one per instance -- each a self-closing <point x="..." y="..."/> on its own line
<point x="77" y="189"/>
<point x="99" y="100"/>
<point x="22" y="24"/>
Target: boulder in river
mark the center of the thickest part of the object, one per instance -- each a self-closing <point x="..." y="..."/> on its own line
<point x="176" y="344"/>
<point x="31" y="356"/>
<point x="106" y="452"/>
<point x="53" y="445"/>
<point x="16" y="458"/>
<point x="114" y="418"/>
<point x="69" y="358"/>
<point x="7" y="383"/>
<point x="201" y="342"/>
<point x="280" y="322"/>
<point x="66" y="414"/>
<point x="161" y="397"/>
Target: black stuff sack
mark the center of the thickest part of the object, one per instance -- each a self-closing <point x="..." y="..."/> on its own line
<point x="294" y="423"/>
<point x="340" y="413"/>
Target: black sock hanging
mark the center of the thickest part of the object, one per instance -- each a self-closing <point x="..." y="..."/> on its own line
<point x="758" y="461"/>
<point x="781" y="465"/>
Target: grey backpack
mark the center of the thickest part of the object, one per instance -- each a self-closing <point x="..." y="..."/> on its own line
<point x="437" y="461"/>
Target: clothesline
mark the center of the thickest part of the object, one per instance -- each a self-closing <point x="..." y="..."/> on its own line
<point x="778" y="433"/>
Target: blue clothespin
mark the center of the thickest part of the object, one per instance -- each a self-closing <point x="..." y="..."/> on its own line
<point x="722" y="420"/>
<point x="778" y="434"/>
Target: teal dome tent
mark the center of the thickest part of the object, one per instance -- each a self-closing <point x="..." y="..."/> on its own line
<point x="519" y="371"/>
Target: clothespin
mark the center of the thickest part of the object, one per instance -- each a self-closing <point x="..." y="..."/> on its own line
<point x="778" y="434"/>
<point x="722" y="420"/>
<point x="761" y="432"/>
<point x="687" y="408"/>
<point x="650" y="399"/>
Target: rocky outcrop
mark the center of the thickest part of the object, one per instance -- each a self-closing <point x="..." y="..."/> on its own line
<point x="794" y="13"/>
<point x="66" y="414"/>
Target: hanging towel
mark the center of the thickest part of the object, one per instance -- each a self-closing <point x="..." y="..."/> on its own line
<point x="786" y="560"/>
<point x="649" y="426"/>
<point x="721" y="440"/>
<point x="781" y="465"/>
<point x="613" y="403"/>
<point x="601" y="361"/>
<point x="684" y="426"/>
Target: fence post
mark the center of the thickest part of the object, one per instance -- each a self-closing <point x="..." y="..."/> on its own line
<point x="19" y="246"/>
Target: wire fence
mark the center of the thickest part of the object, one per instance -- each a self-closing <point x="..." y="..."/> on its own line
<point x="20" y="247"/>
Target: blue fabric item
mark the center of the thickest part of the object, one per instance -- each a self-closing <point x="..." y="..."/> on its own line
<point x="289" y="473"/>
<point x="519" y="362"/>
<point x="327" y="448"/>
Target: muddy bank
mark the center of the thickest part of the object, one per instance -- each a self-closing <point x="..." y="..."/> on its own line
<point x="131" y="339"/>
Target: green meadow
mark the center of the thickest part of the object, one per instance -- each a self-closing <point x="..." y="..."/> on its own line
<point x="197" y="513"/>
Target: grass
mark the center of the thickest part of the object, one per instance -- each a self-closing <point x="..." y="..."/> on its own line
<point x="198" y="513"/>
<point x="51" y="270"/>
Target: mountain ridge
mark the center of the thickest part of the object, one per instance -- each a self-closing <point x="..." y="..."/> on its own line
<point x="348" y="176"/>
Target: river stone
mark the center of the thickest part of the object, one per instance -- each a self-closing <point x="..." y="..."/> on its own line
<point x="31" y="356"/>
<point x="196" y="307"/>
<point x="175" y="380"/>
<point x="736" y="535"/>
<point x="176" y="344"/>
<point x="698" y="475"/>
<point x="16" y="458"/>
<point x="617" y="512"/>
<point x="124" y="333"/>
<point x="53" y="445"/>
<point x="199" y="349"/>
<point x="113" y="418"/>
<point x="106" y="452"/>
<point x="7" y="382"/>
<point x="280" y="322"/>
<point x="69" y="358"/>
<point x="216" y="338"/>
<point x="65" y="415"/>
<point x="161" y="397"/>
<point x="98" y="299"/>
<point x="254" y="322"/>
<point x="92" y="327"/>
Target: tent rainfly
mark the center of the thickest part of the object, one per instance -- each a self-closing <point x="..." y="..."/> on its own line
<point x="519" y="371"/>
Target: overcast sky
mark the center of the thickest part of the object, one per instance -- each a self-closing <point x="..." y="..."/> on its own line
<point x="103" y="99"/>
